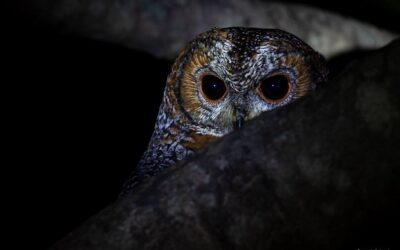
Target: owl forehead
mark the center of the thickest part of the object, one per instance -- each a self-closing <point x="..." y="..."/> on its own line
<point x="241" y="56"/>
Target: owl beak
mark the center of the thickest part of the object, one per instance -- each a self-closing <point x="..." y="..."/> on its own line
<point x="239" y="119"/>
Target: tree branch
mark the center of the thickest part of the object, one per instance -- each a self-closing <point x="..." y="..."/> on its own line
<point x="163" y="27"/>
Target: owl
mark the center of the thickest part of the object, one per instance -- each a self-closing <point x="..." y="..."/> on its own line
<point x="220" y="80"/>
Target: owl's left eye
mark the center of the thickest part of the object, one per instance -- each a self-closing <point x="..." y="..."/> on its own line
<point x="274" y="88"/>
<point x="212" y="87"/>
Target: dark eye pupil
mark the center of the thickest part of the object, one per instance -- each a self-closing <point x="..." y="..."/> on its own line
<point x="275" y="87"/>
<point x="213" y="87"/>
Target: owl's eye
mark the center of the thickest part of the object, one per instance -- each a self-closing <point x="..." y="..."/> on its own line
<point x="212" y="87"/>
<point x="274" y="88"/>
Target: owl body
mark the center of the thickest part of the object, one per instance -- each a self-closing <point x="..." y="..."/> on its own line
<point x="220" y="80"/>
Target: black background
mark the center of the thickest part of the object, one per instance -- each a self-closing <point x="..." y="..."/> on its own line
<point x="81" y="114"/>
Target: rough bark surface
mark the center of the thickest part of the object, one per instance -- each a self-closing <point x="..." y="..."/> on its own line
<point x="163" y="27"/>
<point x="319" y="174"/>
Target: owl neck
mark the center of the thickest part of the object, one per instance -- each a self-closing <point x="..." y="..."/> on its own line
<point x="173" y="130"/>
<point x="174" y="138"/>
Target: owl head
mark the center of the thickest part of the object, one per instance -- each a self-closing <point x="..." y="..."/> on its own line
<point x="225" y="77"/>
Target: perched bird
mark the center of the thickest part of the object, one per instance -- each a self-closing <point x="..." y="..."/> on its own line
<point x="220" y="80"/>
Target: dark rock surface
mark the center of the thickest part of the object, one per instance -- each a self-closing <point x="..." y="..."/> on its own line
<point x="319" y="174"/>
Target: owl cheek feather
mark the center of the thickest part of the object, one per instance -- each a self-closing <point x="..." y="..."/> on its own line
<point x="302" y="69"/>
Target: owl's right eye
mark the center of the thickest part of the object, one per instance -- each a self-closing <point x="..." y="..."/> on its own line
<point x="212" y="87"/>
